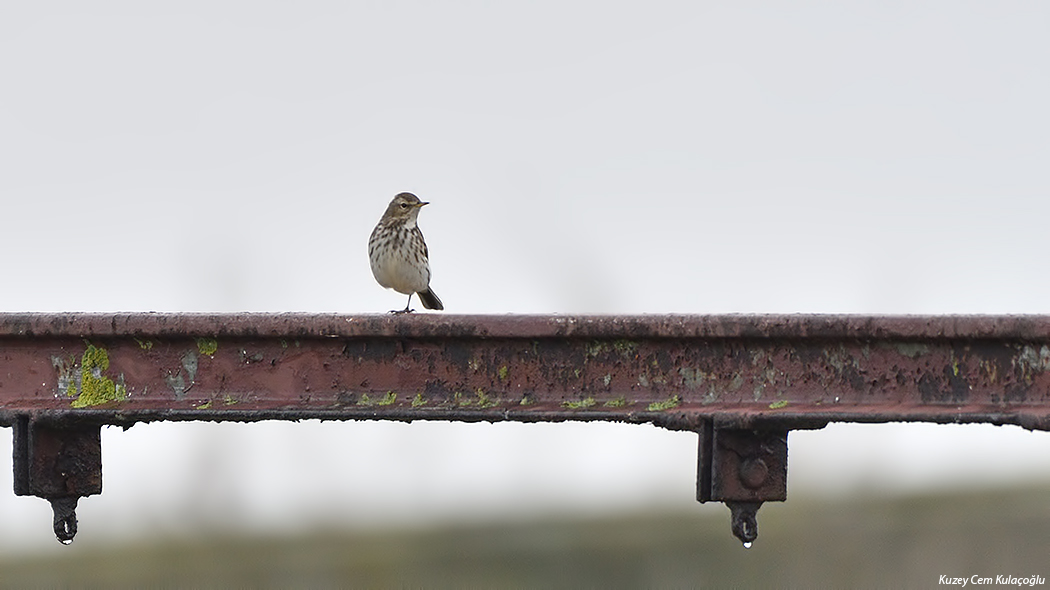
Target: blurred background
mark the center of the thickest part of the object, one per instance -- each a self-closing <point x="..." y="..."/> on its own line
<point x="580" y="157"/>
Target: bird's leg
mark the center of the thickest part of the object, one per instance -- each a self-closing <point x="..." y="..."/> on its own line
<point x="406" y="310"/>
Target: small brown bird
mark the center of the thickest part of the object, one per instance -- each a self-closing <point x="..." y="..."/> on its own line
<point x="398" y="254"/>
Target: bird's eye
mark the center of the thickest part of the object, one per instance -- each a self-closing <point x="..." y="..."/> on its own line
<point x="404" y="205"/>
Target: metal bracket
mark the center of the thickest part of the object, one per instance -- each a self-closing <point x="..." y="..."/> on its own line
<point x="60" y="464"/>
<point x="742" y="468"/>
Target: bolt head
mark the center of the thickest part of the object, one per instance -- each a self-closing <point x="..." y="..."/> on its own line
<point x="753" y="473"/>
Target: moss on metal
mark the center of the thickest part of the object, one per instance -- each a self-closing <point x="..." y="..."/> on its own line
<point x="589" y="402"/>
<point x="667" y="404"/>
<point x="207" y="346"/>
<point x="95" y="387"/>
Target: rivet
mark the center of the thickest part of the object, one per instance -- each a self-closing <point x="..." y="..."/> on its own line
<point x="753" y="472"/>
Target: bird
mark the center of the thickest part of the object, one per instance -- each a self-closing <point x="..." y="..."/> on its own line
<point x="398" y="254"/>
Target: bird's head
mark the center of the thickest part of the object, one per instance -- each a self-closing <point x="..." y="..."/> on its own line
<point x="404" y="206"/>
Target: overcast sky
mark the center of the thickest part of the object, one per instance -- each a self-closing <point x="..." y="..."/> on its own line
<point x="580" y="157"/>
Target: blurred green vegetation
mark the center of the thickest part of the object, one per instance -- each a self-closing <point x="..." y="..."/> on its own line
<point x="860" y="542"/>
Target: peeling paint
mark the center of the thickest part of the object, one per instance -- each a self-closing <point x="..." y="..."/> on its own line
<point x="178" y="383"/>
<point x="68" y="379"/>
<point x="911" y="349"/>
<point x="1031" y="361"/>
<point x="189" y="362"/>
<point x="692" y="378"/>
<point x="736" y="383"/>
<point x="247" y="358"/>
<point x="991" y="370"/>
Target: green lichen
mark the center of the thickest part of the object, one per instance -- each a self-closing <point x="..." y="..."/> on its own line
<point x="95" y="387"/>
<point x="481" y="399"/>
<point x="145" y="344"/>
<point x="484" y="401"/>
<point x="583" y="403"/>
<point x="229" y="400"/>
<point x="667" y="404"/>
<point x="503" y="371"/>
<point x="595" y="348"/>
<point x="778" y="404"/>
<point x="616" y="403"/>
<point x="624" y="348"/>
<point x="207" y="346"/>
<point x="205" y="405"/>
<point x="386" y="400"/>
<point x="418" y="401"/>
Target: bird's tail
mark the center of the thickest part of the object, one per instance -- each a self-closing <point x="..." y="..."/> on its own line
<point x="430" y="299"/>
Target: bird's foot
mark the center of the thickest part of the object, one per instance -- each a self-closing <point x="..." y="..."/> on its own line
<point x="401" y="311"/>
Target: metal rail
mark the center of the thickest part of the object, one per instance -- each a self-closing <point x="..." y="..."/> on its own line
<point x="741" y="382"/>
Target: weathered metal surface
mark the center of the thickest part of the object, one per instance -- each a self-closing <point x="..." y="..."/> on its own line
<point x="742" y="468"/>
<point x="779" y="372"/>
<point x="60" y="464"/>
<point x="742" y="465"/>
<point x="741" y="382"/>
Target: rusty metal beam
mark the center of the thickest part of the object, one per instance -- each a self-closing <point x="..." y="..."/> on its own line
<point x="741" y="382"/>
<point x="740" y="371"/>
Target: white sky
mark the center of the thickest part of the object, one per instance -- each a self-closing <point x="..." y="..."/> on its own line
<point x="598" y="157"/>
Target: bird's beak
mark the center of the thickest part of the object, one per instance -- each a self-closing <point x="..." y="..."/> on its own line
<point x="421" y="204"/>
